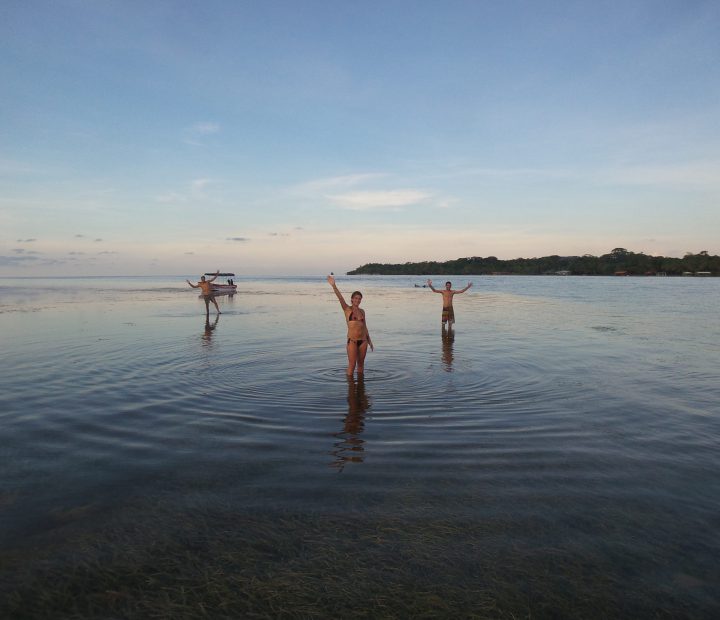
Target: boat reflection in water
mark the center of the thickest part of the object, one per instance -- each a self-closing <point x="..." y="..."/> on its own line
<point x="349" y="447"/>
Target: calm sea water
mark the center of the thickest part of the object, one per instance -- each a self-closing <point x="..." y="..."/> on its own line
<point x="558" y="457"/>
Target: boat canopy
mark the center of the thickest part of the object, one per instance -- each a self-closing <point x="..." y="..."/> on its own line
<point x="224" y="274"/>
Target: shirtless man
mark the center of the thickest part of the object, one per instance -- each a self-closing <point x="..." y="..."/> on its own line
<point x="448" y="314"/>
<point x="207" y="293"/>
<point x="358" y="336"/>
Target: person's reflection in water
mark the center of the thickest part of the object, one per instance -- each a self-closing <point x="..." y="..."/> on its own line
<point x="349" y="447"/>
<point x="448" y="339"/>
<point x="209" y="329"/>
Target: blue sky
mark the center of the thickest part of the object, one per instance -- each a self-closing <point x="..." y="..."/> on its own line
<point x="306" y="137"/>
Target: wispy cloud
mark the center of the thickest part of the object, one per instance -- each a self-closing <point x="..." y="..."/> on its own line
<point x="205" y="128"/>
<point x="195" y="191"/>
<point x="362" y="191"/>
<point x="25" y="240"/>
<point x="338" y="182"/>
<point x="239" y="239"/>
<point x="195" y="133"/>
<point x="384" y="199"/>
<point x="198" y="186"/>
<point x="17" y="261"/>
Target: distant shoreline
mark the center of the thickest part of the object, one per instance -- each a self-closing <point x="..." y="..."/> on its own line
<point x="619" y="262"/>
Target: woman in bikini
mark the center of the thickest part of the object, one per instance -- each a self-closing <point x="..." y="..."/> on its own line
<point x="358" y="336"/>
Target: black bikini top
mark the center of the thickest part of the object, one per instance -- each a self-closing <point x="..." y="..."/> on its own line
<point x="351" y="317"/>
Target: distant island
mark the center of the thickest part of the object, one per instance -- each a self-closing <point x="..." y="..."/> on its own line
<point x="619" y="262"/>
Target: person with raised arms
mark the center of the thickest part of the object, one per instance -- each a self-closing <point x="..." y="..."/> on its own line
<point x="207" y="293"/>
<point x="358" y="336"/>
<point x="448" y="313"/>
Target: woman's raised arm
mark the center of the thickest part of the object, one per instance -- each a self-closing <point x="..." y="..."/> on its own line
<point x="343" y="303"/>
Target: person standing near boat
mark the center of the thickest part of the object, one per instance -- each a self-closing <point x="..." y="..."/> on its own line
<point x="448" y="313"/>
<point x="358" y="336"/>
<point x="207" y="293"/>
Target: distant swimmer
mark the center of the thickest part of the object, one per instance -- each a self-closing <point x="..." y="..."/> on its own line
<point x="448" y="314"/>
<point x="358" y="336"/>
<point x="207" y="292"/>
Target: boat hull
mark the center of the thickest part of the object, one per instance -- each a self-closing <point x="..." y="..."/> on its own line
<point x="224" y="289"/>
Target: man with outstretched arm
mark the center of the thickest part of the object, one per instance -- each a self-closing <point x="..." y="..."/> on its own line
<point x="448" y="314"/>
<point x="207" y="292"/>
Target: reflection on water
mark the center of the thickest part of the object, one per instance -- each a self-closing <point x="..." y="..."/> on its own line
<point x="350" y="446"/>
<point x="209" y="329"/>
<point x="557" y="459"/>
<point x="448" y="340"/>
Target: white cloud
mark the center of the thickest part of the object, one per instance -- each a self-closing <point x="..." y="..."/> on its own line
<point x="364" y="191"/>
<point x="383" y="199"/>
<point x="348" y="180"/>
<point x="198" y="187"/>
<point x="205" y="128"/>
<point x="196" y="191"/>
<point x="193" y="135"/>
<point x="199" y="184"/>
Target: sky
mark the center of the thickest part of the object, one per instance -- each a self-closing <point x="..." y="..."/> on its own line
<point x="299" y="137"/>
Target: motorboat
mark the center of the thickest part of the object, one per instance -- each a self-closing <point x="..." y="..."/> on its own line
<point x="223" y="288"/>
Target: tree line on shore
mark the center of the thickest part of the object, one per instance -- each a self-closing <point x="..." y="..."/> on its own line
<point x="619" y="261"/>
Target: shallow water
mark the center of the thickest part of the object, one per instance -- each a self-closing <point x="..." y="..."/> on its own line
<point x="558" y="457"/>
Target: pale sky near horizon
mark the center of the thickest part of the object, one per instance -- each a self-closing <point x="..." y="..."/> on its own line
<point x="303" y="137"/>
